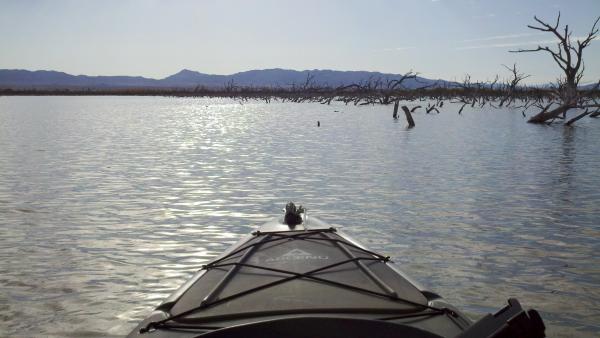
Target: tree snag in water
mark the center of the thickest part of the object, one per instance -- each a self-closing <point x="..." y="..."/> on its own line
<point x="409" y="119"/>
<point x="568" y="55"/>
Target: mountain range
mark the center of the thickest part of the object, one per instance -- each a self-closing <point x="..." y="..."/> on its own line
<point x="47" y="79"/>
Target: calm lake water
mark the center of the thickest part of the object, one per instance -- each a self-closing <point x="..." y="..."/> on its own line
<point x="108" y="204"/>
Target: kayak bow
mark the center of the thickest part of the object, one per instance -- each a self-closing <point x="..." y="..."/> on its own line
<point x="312" y="280"/>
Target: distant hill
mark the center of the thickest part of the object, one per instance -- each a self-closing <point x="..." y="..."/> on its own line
<point x="24" y="79"/>
<point x="588" y="86"/>
<point x="52" y="79"/>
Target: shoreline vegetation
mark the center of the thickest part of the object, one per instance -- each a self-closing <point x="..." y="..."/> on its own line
<point x="372" y="92"/>
<point x="549" y="103"/>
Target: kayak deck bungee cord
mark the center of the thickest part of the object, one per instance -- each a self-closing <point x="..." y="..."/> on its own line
<point x="297" y="276"/>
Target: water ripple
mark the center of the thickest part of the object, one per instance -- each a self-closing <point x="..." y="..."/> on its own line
<point x="108" y="204"/>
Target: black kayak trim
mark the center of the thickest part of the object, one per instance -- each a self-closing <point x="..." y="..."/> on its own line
<point x="510" y="322"/>
<point x="211" y="299"/>
<point x="330" y="327"/>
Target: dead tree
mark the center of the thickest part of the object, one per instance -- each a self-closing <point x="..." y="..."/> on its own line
<point x="511" y="88"/>
<point x="568" y="55"/>
<point x="409" y="118"/>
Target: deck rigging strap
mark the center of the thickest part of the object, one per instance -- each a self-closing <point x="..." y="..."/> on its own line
<point x="211" y="299"/>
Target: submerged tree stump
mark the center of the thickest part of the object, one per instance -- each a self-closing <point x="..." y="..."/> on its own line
<point x="545" y="115"/>
<point x="409" y="119"/>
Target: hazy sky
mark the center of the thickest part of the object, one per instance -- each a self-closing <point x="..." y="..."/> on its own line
<point x="438" y="38"/>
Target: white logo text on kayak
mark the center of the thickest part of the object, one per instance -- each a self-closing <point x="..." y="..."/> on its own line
<point x="296" y="254"/>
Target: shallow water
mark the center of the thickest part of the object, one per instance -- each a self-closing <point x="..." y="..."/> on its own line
<point x="107" y="204"/>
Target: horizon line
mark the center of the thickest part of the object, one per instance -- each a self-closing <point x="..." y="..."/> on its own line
<point x="212" y="74"/>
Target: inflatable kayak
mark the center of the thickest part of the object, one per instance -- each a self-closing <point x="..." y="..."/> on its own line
<point x="299" y="277"/>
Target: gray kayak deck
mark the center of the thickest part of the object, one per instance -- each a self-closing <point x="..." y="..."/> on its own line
<point x="311" y="280"/>
<point x="299" y="270"/>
